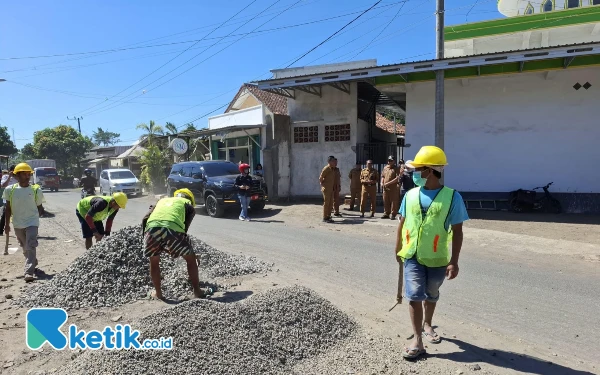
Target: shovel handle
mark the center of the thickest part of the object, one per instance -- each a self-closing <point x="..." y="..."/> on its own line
<point x="6" y="245"/>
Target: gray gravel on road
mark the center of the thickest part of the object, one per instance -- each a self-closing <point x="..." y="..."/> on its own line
<point x="265" y="334"/>
<point x="115" y="271"/>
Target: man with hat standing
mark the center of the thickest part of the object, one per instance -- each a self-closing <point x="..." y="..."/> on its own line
<point x="368" y="179"/>
<point x="337" y="189"/>
<point x="391" y="190"/>
<point x="355" y="185"/>
<point x="327" y="181"/>
<point x="429" y="241"/>
<point x="24" y="204"/>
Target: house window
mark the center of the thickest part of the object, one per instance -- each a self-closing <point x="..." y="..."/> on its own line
<point x="548" y="6"/>
<point x="306" y="134"/>
<point x="529" y="9"/>
<point x="573" y="4"/>
<point x="337" y="133"/>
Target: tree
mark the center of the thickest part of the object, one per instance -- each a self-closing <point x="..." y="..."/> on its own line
<point x="7" y="147"/>
<point x="171" y="128"/>
<point x="151" y="130"/>
<point x="153" y="161"/>
<point x="27" y="152"/>
<point x="105" y="138"/>
<point x="63" y="144"/>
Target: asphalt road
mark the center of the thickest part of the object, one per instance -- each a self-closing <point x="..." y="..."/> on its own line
<point x="554" y="305"/>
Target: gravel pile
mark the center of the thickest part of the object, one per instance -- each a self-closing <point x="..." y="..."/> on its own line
<point x="265" y="334"/>
<point x="115" y="271"/>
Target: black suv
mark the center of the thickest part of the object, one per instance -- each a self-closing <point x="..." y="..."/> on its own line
<point x="212" y="185"/>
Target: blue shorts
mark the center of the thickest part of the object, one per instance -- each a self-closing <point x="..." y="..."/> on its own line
<point x="85" y="228"/>
<point x="422" y="283"/>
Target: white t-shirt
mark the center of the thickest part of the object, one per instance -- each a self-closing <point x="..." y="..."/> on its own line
<point x="12" y="181"/>
<point x="24" y="207"/>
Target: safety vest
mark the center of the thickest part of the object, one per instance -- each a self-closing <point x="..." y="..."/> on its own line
<point x="35" y="188"/>
<point x="427" y="236"/>
<point x="84" y="205"/>
<point x="169" y="213"/>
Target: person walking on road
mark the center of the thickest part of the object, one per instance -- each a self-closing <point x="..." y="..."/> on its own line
<point x="368" y="179"/>
<point x="165" y="228"/>
<point x="429" y="241"/>
<point x="243" y="183"/>
<point x="391" y="190"/>
<point x="355" y="185"/>
<point x="91" y="211"/>
<point x="327" y="181"/>
<point x="24" y="202"/>
<point x="8" y="179"/>
<point x="337" y="189"/>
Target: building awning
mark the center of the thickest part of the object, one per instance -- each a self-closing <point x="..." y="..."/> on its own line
<point x="221" y="131"/>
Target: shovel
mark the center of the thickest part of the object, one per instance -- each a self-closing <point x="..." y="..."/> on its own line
<point x="6" y="245"/>
<point x="400" y="285"/>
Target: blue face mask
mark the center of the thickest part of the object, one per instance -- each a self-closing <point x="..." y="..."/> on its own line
<point x="418" y="180"/>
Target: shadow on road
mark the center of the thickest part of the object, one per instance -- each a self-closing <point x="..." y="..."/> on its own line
<point x="506" y="359"/>
<point x="41" y="275"/>
<point x="230" y="297"/>
<point x="535" y="217"/>
<point x="233" y="214"/>
<point x="47" y="238"/>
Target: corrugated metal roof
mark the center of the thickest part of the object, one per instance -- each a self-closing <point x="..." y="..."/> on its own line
<point x="262" y="84"/>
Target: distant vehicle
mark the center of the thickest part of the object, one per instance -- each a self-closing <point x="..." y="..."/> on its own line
<point x="212" y="185"/>
<point x="44" y="173"/>
<point x="88" y="192"/>
<point x="119" y="180"/>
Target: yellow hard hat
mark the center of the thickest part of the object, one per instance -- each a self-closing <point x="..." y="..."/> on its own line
<point x="121" y="199"/>
<point x="22" y="167"/>
<point x="185" y="193"/>
<point x="428" y="156"/>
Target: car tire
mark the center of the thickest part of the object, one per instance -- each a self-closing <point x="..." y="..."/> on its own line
<point x="213" y="209"/>
<point x="257" y="206"/>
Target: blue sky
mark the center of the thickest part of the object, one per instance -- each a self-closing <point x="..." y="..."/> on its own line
<point x="41" y="92"/>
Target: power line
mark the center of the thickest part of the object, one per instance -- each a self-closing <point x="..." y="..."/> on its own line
<point x="331" y="36"/>
<point x="382" y="30"/>
<point x="181" y="53"/>
<point x="214" y="54"/>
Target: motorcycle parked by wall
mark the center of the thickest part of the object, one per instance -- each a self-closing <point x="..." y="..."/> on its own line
<point x="526" y="201"/>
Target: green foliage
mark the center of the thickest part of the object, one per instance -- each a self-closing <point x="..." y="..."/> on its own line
<point x="151" y="130"/>
<point x="7" y="147"/>
<point x="171" y="128"/>
<point x="400" y="118"/>
<point x="105" y="138"/>
<point x="153" y="162"/>
<point x="63" y="144"/>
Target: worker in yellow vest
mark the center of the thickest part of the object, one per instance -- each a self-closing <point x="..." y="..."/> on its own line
<point x="165" y="228"/>
<point x="429" y="240"/>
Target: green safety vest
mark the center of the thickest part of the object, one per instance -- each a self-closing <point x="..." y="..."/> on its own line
<point x="427" y="237"/>
<point x="84" y="205"/>
<point x="35" y="188"/>
<point x="169" y="213"/>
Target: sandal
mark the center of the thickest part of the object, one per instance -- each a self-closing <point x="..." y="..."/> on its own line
<point x="433" y="338"/>
<point x="413" y="353"/>
<point x="152" y="295"/>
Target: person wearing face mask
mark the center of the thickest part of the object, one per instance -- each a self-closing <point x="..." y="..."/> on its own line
<point x="243" y="183"/>
<point x="429" y="241"/>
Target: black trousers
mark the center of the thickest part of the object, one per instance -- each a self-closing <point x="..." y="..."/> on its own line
<point x="3" y="220"/>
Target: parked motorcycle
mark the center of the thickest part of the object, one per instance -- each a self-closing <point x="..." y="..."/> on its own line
<point x="526" y="201"/>
<point x="87" y="193"/>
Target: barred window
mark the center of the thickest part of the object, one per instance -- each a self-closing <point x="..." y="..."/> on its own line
<point x="337" y="133"/>
<point x="306" y="134"/>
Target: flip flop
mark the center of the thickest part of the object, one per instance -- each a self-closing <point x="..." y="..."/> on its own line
<point x="152" y="295"/>
<point x="433" y="338"/>
<point x="416" y="353"/>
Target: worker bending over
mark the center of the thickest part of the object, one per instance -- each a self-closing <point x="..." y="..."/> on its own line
<point x="91" y="211"/>
<point x="165" y="228"/>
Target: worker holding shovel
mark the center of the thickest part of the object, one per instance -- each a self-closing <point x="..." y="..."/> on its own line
<point x="165" y="228"/>
<point x="24" y="204"/>
<point x="91" y="211"/>
<point x="428" y="243"/>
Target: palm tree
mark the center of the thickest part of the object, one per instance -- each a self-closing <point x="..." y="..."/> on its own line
<point x="189" y="128"/>
<point x="171" y="128"/>
<point x="151" y="130"/>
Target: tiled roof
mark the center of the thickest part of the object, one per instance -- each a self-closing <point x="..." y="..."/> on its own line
<point x="387" y="125"/>
<point x="275" y="103"/>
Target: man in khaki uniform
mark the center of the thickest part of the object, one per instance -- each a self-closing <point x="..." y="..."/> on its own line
<point x="327" y="180"/>
<point x="391" y="190"/>
<point x="355" y="184"/>
<point x="368" y="179"/>
<point x="337" y="188"/>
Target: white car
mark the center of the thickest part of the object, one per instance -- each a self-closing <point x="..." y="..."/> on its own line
<point x="119" y="180"/>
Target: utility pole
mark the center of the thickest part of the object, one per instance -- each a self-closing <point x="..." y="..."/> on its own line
<point x="78" y="122"/>
<point x="439" y="77"/>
